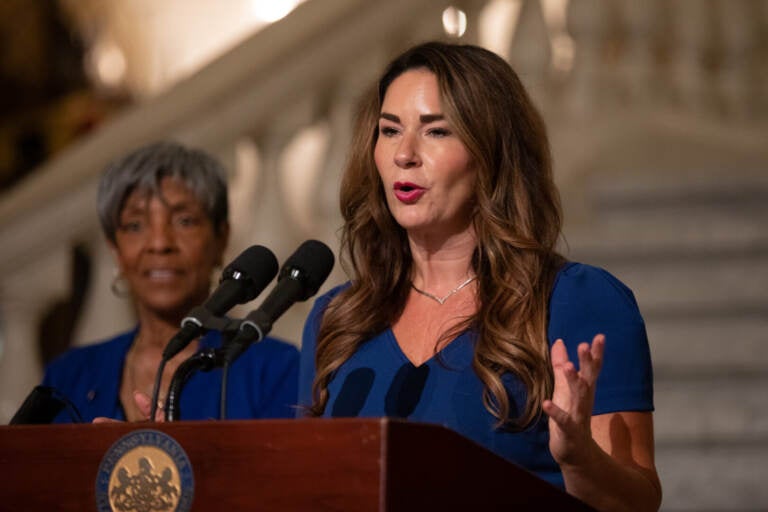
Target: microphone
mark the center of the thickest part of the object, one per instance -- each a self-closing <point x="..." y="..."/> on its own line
<point x="405" y="391"/>
<point x="353" y="393"/>
<point x="42" y="406"/>
<point x="241" y="281"/>
<point x="300" y="277"/>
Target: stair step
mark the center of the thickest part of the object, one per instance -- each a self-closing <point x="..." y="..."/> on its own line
<point x="714" y="478"/>
<point x="641" y="192"/>
<point x="689" y="344"/>
<point x="687" y="286"/>
<point x="658" y="235"/>
<point x="711" y="408"/>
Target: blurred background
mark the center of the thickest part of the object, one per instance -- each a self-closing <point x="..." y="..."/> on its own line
<point x="658" y="118"/>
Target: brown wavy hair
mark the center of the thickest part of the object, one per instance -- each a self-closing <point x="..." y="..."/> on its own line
<point x="517" y="221"/>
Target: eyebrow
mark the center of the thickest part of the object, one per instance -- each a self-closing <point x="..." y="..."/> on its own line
<point x="424" y="118"/>
<point x="139" y="208"/>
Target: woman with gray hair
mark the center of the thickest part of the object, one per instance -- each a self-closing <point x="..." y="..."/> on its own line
<point x="163" y="209"/>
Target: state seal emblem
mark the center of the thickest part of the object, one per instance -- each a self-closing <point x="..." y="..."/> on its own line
<point x="145" y="471"/>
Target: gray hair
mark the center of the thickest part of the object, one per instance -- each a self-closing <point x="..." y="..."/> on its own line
<point x="144" y="169"/>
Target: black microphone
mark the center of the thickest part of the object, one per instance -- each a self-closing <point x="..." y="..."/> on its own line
<point x="300" y="277"/>
<point x="353" y="393"/>
<point x="241" y="281"/>
<point x="405" y="391"/>
<point x="42" y="406"/>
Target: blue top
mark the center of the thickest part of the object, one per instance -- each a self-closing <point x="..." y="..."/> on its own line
<point x="379" y="380"/>
<point x="261" y="384"/>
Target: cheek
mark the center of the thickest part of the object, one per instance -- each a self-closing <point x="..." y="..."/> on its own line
<point x="124" y="258"/>
<point x="202" y="251"/>
<point x="463" y="185"/>
<point x="379" y="161"/>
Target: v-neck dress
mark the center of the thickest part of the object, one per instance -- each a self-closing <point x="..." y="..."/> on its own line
<point x="379" y="380"/>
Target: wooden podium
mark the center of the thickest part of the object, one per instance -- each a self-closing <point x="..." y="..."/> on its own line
<point x="275" y="465"/>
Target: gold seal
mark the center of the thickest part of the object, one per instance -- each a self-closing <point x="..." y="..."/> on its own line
<point x="144" y="479"/>
<point x="145" y="471"/>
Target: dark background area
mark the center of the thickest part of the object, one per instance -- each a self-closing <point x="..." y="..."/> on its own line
<point x="46" y="100"/>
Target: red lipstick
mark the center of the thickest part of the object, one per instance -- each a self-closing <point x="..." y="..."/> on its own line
<point x="408" y="192"/>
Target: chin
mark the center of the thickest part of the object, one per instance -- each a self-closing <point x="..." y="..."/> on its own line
<point x="171" y="305"/>
<point x="410" y="221"/>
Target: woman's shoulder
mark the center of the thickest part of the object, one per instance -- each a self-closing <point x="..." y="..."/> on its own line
<point x="91" y="356"/>
<point x="96" y="350"/>
<point x="324" y="299"/>
<point x="585" y="283"/>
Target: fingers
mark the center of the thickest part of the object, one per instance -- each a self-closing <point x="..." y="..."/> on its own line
<point x="574" y="389"/>
<point x="144" y="403"/>
<point x="558" y="415"/>
<point x="102" y="419"/>
<point x="558" y="353"/>
<point x="591" y="358"/>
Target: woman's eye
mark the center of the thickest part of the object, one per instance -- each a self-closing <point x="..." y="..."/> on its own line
<point x="187" y="220"/>
<point x="439" y="132"/>
<point x="133" y="226"/>
<point x="387" y="131"/>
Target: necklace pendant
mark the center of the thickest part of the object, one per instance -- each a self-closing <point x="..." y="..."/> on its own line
<point x="442" y="300"/>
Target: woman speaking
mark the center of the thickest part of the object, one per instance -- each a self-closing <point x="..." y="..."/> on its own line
<point x="459" y="310"/>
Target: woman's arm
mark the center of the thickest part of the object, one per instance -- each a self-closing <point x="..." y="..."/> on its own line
<point x="607" y="460"/>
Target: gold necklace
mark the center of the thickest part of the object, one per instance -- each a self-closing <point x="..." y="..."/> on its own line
<point x="441" y="300"/>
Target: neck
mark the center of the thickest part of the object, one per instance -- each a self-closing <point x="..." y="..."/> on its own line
<point x="155" y="332"/>
<point x="439" y="265"/>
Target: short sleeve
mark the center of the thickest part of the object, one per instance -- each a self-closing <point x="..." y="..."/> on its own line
<point x="586" y="301"/>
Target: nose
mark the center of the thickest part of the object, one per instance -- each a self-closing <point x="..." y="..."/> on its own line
<point x="160" y="237"/>
<point x="407" y="152"/>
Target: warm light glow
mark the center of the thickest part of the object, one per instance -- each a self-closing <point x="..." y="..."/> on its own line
<point x="555" y="13"/>
<point x="454" y="22"/>
<point x="270" y="11"/>
<point x="562" y="52"/>
<point x="498" y="21"/>
<point x="107" y="63"/>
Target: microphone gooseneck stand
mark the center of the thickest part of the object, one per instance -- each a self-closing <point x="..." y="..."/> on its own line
<point x="300" y="277"/>
<point x="205" y="360"/>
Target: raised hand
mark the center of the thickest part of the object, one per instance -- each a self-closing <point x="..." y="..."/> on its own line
<point x="570" y="409"/>
<point x="144" y="403"/>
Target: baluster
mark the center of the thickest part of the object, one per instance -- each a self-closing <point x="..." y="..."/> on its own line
<point x="588" y="24"/>
<point x="267" y="224"/>
<point x="737" y="76"/>
<point x="693" y="58"/>
<point x="637" y="66"/>
<point x="531" y="50"/>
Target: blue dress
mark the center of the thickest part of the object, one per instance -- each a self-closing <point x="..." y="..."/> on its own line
<point x="262" y="383"/>
<point x="379" y="380"/>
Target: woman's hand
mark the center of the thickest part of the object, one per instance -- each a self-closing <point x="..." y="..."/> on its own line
<point x="570" y="409"/>
<point x="144" y="403"/>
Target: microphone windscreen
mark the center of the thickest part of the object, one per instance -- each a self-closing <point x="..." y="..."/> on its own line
<point x="257" y="265"/>
<point x="353" y="393"/>
<point x="405" y="391"/>
<point x="315" y="261"/>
